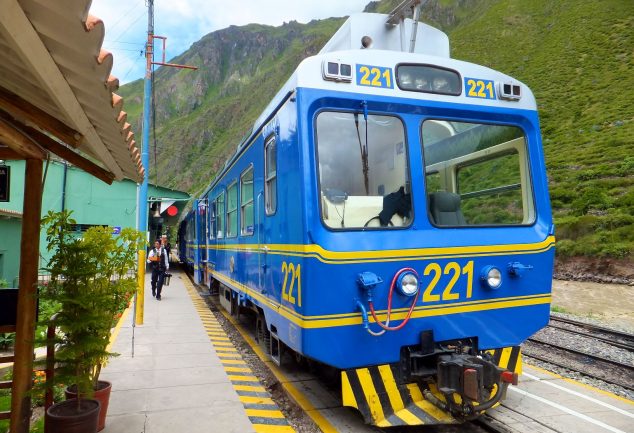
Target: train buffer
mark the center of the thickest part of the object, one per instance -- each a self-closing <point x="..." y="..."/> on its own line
<point x="183" y="376"/>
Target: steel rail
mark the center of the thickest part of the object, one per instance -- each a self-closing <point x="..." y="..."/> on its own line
<point x="624" y="368"/>
<point x="625" y="340"/>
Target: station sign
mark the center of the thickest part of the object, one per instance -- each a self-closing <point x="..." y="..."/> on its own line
<point x="5" y="182"/>
<point x="116" y="230"/>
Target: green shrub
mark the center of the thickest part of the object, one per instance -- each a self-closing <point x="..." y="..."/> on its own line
<point x="589" y="199"/>
<point x="92" y="280"/>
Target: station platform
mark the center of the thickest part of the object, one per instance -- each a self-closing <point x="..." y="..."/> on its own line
<point x="545" y="402"/>
<point x="185" y="375"/>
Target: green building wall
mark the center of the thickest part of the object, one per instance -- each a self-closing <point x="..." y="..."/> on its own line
<point x="92" y="202"/>
<point x="10" y="229"/>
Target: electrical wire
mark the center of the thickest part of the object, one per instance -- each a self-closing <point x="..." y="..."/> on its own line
<point x="389" y="305"/>
<point x="129" y="26"/>
<point x="125" y="14"/>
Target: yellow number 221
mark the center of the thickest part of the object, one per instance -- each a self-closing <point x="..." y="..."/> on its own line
<point x="292" y="272"/>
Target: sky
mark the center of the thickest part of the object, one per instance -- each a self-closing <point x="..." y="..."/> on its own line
<point x="184" y="22"/>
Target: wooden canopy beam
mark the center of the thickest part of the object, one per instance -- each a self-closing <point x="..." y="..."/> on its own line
<point x="16" y="140"/>
<point x="7" y="154"/>
<point x="20" y="109"/>
<point x="70" y="156"/>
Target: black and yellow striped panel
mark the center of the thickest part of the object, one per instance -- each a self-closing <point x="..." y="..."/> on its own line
<point x="262" y="411"/>
<point x="384" y="403"/>
<point x="509" y="358"/>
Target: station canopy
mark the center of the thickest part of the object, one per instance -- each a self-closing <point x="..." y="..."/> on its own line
<point x="56" y="91"/>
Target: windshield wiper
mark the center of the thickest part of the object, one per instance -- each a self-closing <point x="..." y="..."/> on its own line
<point x="364" y="149"/>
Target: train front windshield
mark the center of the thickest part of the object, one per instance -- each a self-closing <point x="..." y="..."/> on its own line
<point x="475" y="174"/>
<point x="362" y="164"/>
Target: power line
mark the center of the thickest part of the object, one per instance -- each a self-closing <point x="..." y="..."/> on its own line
<point x="129" y="70"/>
<point x="125" y="42"/>
<point x="126" y="49"/>
<point x="129" y="26"/>
<point x="127" y="13"/>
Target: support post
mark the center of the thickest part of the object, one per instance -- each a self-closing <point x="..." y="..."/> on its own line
<point x="27" y="298"/>
<point x="140" y="293"/>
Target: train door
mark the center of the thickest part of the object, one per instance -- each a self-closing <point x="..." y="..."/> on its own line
<point x="200" y="243"/>
<point x="210" y="239"/>
<point x="266" y="209"/>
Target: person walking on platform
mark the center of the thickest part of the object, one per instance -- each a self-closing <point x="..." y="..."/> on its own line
<point x="160" y="264"/>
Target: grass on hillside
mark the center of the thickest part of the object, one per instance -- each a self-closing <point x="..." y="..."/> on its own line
<point x="576" y="57"/>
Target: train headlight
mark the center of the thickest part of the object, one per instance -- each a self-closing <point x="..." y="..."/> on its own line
<point x="407" y="283"/>
<point x="491" y="277"/>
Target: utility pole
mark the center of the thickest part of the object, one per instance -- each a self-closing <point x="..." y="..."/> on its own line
<point x="142" y="210"/>
<point x="142" y="192"/>
<point x="142" y="205"/>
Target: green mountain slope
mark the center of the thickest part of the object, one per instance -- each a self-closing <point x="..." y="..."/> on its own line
<point x="202" y="115"/>
<point x="576" y="55"/>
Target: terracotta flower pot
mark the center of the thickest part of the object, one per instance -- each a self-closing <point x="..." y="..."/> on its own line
<point x="67" y="417"/>
<point x="102" y="394"/>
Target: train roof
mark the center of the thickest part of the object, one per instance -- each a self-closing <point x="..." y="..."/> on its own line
<point x="429" y="40"/>
<point x="385" y="51"/>
<point x="432" y="48"/>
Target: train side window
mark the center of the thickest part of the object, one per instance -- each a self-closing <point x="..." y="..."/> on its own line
<point x="232" y="210"/>
<point x="211" y="229"/>
<point x="477" y="174"/>
<point x="270" y="180"/>
<point x="220" y="215"/>
<point x="246" y="202"/>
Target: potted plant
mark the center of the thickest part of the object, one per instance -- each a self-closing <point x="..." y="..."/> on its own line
<point x="92" y="279"/>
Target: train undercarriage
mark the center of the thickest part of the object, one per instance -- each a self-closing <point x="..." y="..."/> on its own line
<point x="433" y="383"/>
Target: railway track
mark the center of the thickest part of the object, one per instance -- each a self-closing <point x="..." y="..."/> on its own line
<point x="615" y="338"/>
<point x="590" y="363"/>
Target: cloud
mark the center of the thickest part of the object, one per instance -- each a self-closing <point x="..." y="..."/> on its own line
<point x="184" y="22"/>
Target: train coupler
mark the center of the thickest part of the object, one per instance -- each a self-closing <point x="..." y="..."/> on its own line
<point x="446" y="388"/>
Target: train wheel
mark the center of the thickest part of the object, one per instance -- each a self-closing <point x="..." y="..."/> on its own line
<point x="262" y="334"/>
<point x="214" y="287"/>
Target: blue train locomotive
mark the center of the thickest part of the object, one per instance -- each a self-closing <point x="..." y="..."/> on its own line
<point x="388" y="216"/>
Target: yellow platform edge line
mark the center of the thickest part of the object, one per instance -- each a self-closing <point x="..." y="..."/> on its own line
<point x="266" y="428"/>
<point x="249" y="388"/>
<point x="299" y="398"/>
<point x="240" y="378"/>
<point x="233" y="361"/>
<point x="265" y="413"/>
<point x="230" y="369"/>
<point x="117" y="328"/>
<point x="255" y="400"/>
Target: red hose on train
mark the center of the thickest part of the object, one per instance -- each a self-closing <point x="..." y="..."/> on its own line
<point x="389" y="305"/>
